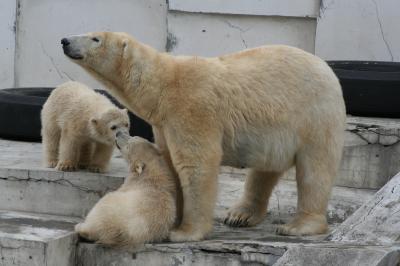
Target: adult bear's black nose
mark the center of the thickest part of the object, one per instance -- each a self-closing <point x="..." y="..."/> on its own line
<point x="65" y="42"/>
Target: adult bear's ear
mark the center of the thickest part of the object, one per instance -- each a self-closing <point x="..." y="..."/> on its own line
<point x="125" y="43"/>
<point x="138" y="167"/>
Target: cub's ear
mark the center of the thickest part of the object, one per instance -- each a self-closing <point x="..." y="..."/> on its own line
<point x="138" y="167"/>
<point x="94" y="121"/>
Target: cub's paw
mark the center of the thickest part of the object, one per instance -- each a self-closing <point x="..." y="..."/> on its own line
<point x="183" y="236"/>
<point x="96" y="169"/>
<point x="242" y="215"/>
<point x="304" y="225"/>
<point x="66" y="166"/>
<point x="187" y="234"/>
<point x="82" y="232"/>
<point x="51" y="164"/>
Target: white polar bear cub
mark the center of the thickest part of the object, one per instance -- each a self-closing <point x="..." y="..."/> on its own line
<point x="78" y="128"/>
<point x="143" y="209"/>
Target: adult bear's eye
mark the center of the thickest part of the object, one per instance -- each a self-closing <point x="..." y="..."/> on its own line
<point x="95" y="39"/>
<point x="113" y="127"/>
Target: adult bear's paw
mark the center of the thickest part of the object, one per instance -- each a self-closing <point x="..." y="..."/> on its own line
<point x="244" y="215"/>
<point x="304" y="224"/>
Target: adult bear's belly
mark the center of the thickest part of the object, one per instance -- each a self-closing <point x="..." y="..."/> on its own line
<point x="269" y="149"/>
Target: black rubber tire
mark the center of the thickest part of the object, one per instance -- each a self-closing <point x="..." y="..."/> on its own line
<point x="20" y="114"/>
<point x="370" y="88"/>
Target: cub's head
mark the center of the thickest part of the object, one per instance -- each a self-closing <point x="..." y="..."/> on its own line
<point x="139" y="154"/>
<point x="104" y="126"/>
<point x="100" y="53"/>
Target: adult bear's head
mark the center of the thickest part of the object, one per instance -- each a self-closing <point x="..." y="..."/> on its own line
<point x="100" y="52"/>
<point x="132" y="72"/>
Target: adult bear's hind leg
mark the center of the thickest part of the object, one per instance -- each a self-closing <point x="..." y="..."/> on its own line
<point x="315" y="173"/>
<point x="251" y="209"/>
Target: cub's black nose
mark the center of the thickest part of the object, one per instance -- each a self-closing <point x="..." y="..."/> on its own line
<point x="118" y="134"/>
<point x="64" y="42"/>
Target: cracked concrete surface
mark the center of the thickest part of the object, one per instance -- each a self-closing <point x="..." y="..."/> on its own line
<point x="203" y="34"/>
<point x="241" y="31"/>
<point x="378" y="17"/>
<point x="377" y="222"/>
<point x="372" y="25"/>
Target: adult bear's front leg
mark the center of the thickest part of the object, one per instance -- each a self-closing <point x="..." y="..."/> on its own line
<point x="196" y="160"/>
<point x="161" y="143"/>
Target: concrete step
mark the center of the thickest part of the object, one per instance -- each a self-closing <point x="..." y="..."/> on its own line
<point x="36" y="239"/>
<point x="370" y="236"/>
<point x="26" y="186"/>
<point x="233" y="253"/>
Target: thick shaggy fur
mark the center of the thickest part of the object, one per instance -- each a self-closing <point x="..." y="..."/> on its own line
<point x="267" y="109"/>
<point x="143" y="209"/>
<point x="78" y="128"/>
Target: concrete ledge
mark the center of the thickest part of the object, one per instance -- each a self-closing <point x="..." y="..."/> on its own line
<point x="288" y="8"/>
<point x="35" y="240"/>
<point x="377" y="221"/>
<point x="317" y="255"/>
<point x="243" y="252"/>
<point x="197" y="253"/>
<point x="26" y="186"/>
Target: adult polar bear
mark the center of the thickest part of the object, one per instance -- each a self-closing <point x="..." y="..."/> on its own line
<point x="266" y="109"/>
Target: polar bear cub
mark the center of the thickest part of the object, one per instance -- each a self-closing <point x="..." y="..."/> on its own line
<point x="78" y="128"/>
<point x="143" y="209"/>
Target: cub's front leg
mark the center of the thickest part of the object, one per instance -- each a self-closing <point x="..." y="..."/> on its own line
<point x="70" y="146"/>
<point x="196" y="158"/>
<point x="101" y="158"/>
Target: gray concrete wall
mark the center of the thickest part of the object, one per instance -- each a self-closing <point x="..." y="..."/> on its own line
<point x="30" y="31"/>
<point x="7" y="43"/>
<point x="216" y="34"/>
<point x="40" y="25"/>
<point x="359" y="30"/>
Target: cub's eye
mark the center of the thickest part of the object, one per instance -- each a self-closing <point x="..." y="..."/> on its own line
<point x="95" y="39"/>
<point x="126" y="125"/>
<point x="113" y="127"/>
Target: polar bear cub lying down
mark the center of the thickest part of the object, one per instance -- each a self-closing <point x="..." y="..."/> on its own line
<point x="143" y="209"/>
<point x="78" y="128"/>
